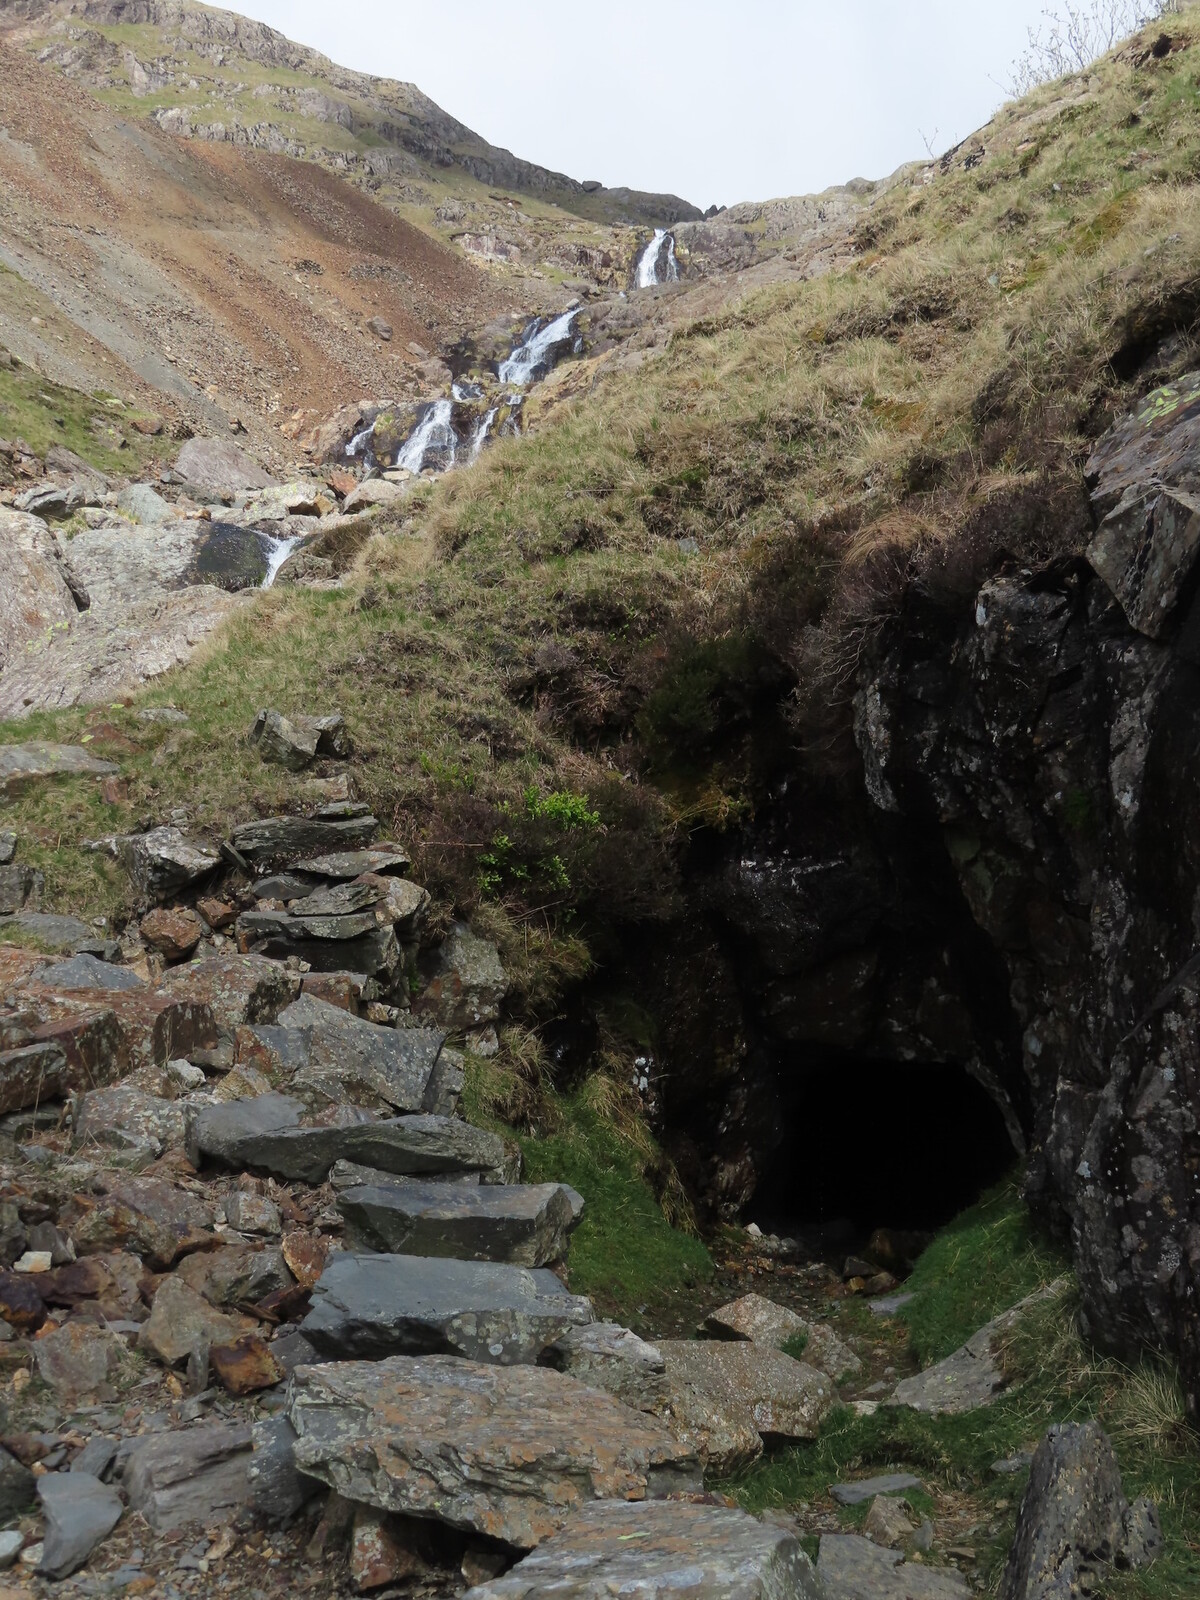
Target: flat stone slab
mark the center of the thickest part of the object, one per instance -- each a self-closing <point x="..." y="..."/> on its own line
<point x="971" y="1377"/>
<point x="85" y="971"/>
<point x="606" y="1356"/>
<point x="26" y="763"/>
<point x="58" y="933"/>
<point x="375" y="1306"/>
<point x="725" y="1397"/>
<point x="189" y="1476"/>
<point x="344" y="865"/>
<point x="852" y="1568"/>
<point x="761" y="1321"/>
<point x="526" y="1224"/>
<point x="80" y="1511"/>
<point x="657" y="1550"/>
<point x="288" y="838"/>
<point x="510" y="1453"/>
<point x="267" y="1134"/>
<point x="857" y="1494"/>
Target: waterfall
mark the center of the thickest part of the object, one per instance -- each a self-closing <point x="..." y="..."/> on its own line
<point x="652" y="268"/>
<point x="360" y="441"/>
<point x="483" y="432"/>
<point x="277" y="551"/>
<point x="433" y="435"/>
<point x="534" y="354"/>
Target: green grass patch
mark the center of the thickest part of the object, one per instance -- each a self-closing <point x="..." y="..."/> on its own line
<point x="44" y="414"/>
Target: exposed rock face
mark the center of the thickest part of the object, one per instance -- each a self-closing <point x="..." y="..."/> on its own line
<point x="505" y="1452"/>
<point x="853" y="1568"/>
<point x="663" y="1549"/>
<point x="1075" y="1524"/>
<point x="220" y="467"/>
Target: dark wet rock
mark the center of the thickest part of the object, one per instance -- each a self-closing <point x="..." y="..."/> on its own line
<point x="1146" y="551"/>
<point x="724" y="1397"/>
<point x="163" y="862"/>
<point x="191" y="1476"/>
<point x="526" y="1224"/>
<point x="88" y="972"/>
<point x="80" y="1511"/>
<point x="853" y="1568"/>
<point x="17" y="1486"/>
<point x="277" y="1488"/>
<point x="21" y="887"/>
<point x="1075" y="1525"/>
<point x="287" y="839"/>
<point x="606" y="1356"/>
<point x="373" y="1306"/>
<point x="228" y="556"/>
<point x="466" y="982"/>
<point x="509" y="1453"/>
<point x="266" y="1135"/>
<point x="661" y="1548"/>
<point x="21" y="764"/>
<point x="296" y="741"/>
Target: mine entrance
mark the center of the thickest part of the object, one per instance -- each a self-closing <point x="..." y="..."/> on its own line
<point x="869" y="1145"/>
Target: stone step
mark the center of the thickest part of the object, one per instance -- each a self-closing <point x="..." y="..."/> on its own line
<point x="661" y="1548"/>
<point x="268" y="1135"/>
<point x="526" y="1224"/>
<point x="510" y="1453"/>
<point x="375" y="1306"/>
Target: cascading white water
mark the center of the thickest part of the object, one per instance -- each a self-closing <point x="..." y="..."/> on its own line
<point x="652" y="269"/>
<point x="277" y="552"/>
<point x="521" y="368"/>
<point x="434" y="433"/>
<point x="483" y="432"/>
<point x="360" y="441"/>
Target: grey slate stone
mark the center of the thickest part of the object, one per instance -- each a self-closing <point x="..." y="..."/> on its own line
<point x="87" y="972"/>
<point x="60" y="933"/>
<point x="853" y="1568"/>
<point x="972" y="1376"/>
<point x="190" y="1476"/>
<point x="277" y="1488"/>
<point x="266" y="1134"/>
<point x="163" y="862"/>
<point x="527" y="1224"/>
<point x="80" y="1511"/>
<point x="374" y="1306"/>
<point x="606" y="1356"/>
<point x="8" y="846"/>
<point x="343" y="865"/>
<point x="96" y="1457"/>
<point x="290" y="838"/>
<point x="857" y="1494"/>
<point x="20" y="886"/>
<point x="17" y="1485"/>
<point x="348" y="1057"/>
<point x="659" y="1550"/>
<point x="345" y="1175"/>
<point x="26" y="763"/>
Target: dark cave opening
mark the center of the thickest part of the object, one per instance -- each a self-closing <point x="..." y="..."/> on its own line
<point x="877" y="1144"/>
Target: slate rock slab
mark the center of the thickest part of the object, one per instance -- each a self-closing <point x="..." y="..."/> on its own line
<point x="190" y="1476"/>
<point x="88" y="972"/>
<point x="606" y="1356"/>
<point x="344" y="865"/>
<point x="60" y="933"/>
<point x="374" y="1306"/>
<point x="164" y="862"/>
<point x="725" y="1397"/>
<point x="346" y="1057"/>
<point x="266" y="1134"/>
<point x="761" y="1321"/>
<point x="971" y="1377"/>
<point x="80" y="1511"/>
<point x="17" y="1485"/>
<point x="289" y="838"/>
<point x="507" y="1452"/>
<point x="853" y="1568"/>
<point x="466" y="982"/>
<point x="526" y="1224"/>
<point x="1075" y="1523"/>
<point x="658" y="1550"/>
<point x="1146" y="551"/>
<point x="857" y="1494"/>
<point x="241" y="990"/>
<point x="28" y="763"/>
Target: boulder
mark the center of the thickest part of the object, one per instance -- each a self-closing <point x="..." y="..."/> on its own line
<point x="1075" y="1525"/>
<point x="21" y="764"/>
<point x="338" y="1057"/>
<point x="296" y="741"/>
<point x="56" y="499"/>
<point x="853" y="1568"/>
<point x="218" y="466"/>
<point x="32" y="1075"/>
<point x="606" y="1356"/>
<point x="21" y="887"/>
<point x="277" y="1489"/>
<point x="147" y="1216"/>
<point x="190" y="1477"/>
<point x="466" y="983"/>
<point x="127" y="1126"/>
<point x="374" y="492"/>
<point x="763" y="1322"/>
<point x="972" y="1376"/>
<point x="142" y="503"/>
<point x="110" y="1033"/>
<point x="183" y="1325"/>
<point x="77" y="1360"/>
<point x="723" y="1398"/>
<point x="286" y="839"/>
<point x="373" y="1306"/>
<point x="163" y="863"/>
<point x="80" y="1511"/>
<point x="526" y="1224"/>
<point x="509" y="1453"/>
<point x="238" y="989"/>
<point x="236" y="1274"/>
<point x="660" y="1549"/>
<point x="174" y="934"/>
<point x="1146" y="551"/>
<point x="85" y="971"/>
<point x="35" y="595"/>
<point x="267" y="1135"/>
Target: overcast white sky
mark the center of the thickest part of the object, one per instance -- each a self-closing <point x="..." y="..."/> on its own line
<point x="715" y="100"/>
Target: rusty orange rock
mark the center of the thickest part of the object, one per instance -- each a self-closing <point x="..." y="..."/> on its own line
<point x="174" y="934"/>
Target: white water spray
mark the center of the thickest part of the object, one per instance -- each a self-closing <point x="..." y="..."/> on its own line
<point x="483" y="432"/>
<point x="652" y="268"/>
<point x="521" y="368"/>
<point x="278" y="550"/>
<point x="433" y="434"/>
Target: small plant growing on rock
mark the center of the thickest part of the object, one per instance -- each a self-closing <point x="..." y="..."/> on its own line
<point x="1075" y="34"/>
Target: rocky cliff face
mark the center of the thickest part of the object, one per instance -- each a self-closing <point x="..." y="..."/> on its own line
<point x="1015" y="886"/>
